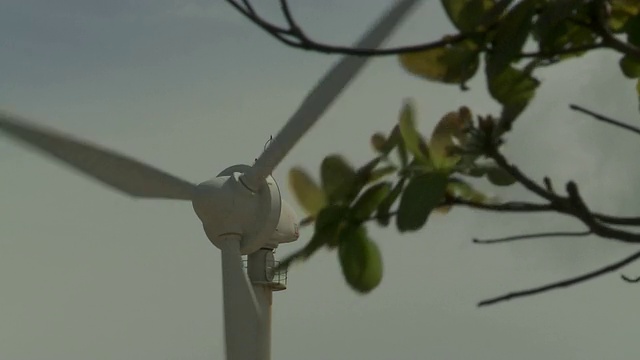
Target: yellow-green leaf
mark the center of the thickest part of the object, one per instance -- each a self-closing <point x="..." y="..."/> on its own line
<point x="621" y="12"/>
<point x="396" y="141"/>
<point x="412" y="139"/>
<point x="452" y="64"/>
<point x="464" y="190"/>
<point x="466" y="14"/>
<point x="309" y="195"/>
<point x="451" y="126"/>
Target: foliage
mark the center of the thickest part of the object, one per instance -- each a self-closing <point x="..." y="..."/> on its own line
<point x="412" y="175"/>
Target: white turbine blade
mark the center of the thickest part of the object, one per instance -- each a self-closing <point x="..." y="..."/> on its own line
<point x="241" y="311"/>
<point x="118" y="171"/>
<point x="324" y="93"/>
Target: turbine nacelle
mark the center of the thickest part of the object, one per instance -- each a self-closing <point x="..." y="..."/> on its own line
<point x="225" y="205"/>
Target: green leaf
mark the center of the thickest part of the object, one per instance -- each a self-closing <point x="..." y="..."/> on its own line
<point x="452" y="64"/>
<point x="500" y="177"/>
<point x="360" y="259"/>
<point x="512" y="88"/>
<point x="423" y="193"/>
<point x="309" y="195"/>
<point x="494" y="173"/>
<point x="630" y="67"/>
<point x="465" y="14"/>
<point x="337" y="177"/>
<point x="383" y="214"/>
<point x="512" y="33"/>
<point x="369" y="201"/>
<point x="551" y="20"/>
<point x="556" y="29"/>
<point x="632" y="29"/>
<point x="330" y="222"/>
<point x="412" y="139"/>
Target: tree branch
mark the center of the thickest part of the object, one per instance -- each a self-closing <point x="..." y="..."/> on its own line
<point x="522" y="178"/>
<point x="295" y="37"/>
<point x="564" y="283"/>
<point x="533" y="236"/>
<point x="572" y="205"/>
<point x="608" y="38"/>
<point x="512" y="206"/>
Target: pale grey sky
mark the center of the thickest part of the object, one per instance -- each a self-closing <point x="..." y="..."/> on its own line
<point x="190" y="86"/>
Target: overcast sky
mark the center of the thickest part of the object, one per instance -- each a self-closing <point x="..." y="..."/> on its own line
<point x="191" y="87"/>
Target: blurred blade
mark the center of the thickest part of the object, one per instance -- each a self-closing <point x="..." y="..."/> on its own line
<point x="324" y="93"/>
<point x="241" y="311"/>
<point x="118" y="171"/>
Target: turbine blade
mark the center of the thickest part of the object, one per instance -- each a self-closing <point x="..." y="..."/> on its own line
<point x="118" y="171"/>
<point x="324" y="93"/>
<point x="241" y="312"/>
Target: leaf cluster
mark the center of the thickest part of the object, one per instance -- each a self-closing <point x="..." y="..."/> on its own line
<point x="413" y="176"/>
<point x="498" y="32"/>
<point x="416" y="175"/>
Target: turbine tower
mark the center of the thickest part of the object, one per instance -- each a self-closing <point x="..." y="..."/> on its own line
<point x="241" y="209"/>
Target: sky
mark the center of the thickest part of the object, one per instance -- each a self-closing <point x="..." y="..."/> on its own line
<point x="191" y="87"/>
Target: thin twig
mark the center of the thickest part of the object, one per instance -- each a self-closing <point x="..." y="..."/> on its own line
<point x="295" y="37"/>
<point x="617" y="220"/>
<point x="548" y="184"/>
<point x="281" y="34"/>
<point x="564" y="283"/>
<point x="248" y="7"/>
<point x="605" y="119"/>
<point x="630" y="280"/>
<point x="522" y="178"/>
<point x="533" y="236"/>
<point x="293" y="25"/>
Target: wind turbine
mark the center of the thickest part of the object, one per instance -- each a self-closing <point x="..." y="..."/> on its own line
<point x="241" y="209"/>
